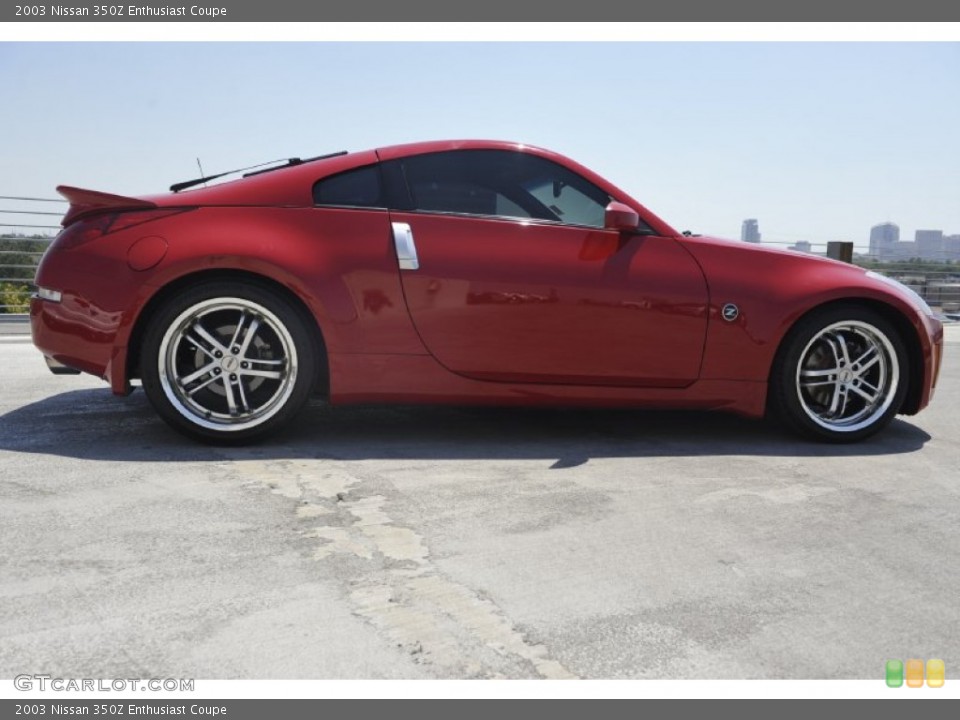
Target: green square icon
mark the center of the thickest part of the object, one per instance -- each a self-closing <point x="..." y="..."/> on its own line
<point x="894" y="673"/>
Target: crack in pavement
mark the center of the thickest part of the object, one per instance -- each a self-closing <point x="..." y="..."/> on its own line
<point x="392" y="582"/>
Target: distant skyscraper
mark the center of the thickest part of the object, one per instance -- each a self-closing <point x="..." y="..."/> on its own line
<point x="750" y="231"/>
<point x="905" y="251"/>
<point x="951" y="247"/>
<point x="802" y="246"/>
<point x="929" y="244"/>
<point x="883" y="240"/>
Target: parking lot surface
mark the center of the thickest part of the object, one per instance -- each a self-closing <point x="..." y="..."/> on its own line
<point x="406" y="542"/>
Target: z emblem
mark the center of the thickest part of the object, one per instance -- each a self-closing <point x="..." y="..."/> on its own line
<point x="730" y="312"/>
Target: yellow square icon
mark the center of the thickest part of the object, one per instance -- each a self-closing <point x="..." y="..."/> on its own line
<point x="914" y="673"/>
<point x="935" y="673"/>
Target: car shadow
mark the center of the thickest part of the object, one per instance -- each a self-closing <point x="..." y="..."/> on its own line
<point x="95" y="425"/>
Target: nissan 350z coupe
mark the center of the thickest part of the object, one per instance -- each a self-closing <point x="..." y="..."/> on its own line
<point x="465" y="272"/>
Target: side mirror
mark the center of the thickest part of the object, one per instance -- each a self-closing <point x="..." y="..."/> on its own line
<point x="618" y="216"/>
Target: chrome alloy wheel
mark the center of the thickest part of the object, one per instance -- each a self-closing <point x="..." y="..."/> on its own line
<point x="227" y="364"/>
<point x="847" y="376"/>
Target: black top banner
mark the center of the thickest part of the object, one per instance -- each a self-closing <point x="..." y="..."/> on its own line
<point x="490" y="10"/>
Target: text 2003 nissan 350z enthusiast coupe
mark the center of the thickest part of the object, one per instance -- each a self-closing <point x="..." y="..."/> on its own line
<point x="462" y="272"/>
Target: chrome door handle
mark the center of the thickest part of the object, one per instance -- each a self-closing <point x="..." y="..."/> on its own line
<point x="406" y="249"/>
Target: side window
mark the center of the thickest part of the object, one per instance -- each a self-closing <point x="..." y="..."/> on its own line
<point x="570" y="204"/>
<point x="355" y="188"/>
<point x="504" y="184"/>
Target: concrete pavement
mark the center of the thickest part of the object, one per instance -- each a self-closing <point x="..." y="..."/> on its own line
<point x="385" y="542"/>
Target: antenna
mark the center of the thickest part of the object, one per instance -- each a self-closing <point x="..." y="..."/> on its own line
<point x="289" y="162"/>
<point x="201" y="170"/>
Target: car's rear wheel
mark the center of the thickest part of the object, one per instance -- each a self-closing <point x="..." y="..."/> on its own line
<point x="841" y="374"/>
<point x="228" y="362"/>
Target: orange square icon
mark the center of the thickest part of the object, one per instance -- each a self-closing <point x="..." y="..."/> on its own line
<point x="914" y="673"/>
<point x="935" y="673"/>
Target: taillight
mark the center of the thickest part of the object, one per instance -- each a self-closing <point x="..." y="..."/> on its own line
<point x="83" y="231"/>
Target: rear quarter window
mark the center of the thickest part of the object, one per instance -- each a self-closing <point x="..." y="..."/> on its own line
<point x="359" y="188"/>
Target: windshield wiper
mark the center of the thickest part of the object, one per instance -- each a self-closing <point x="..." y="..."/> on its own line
<point x="286" y="162"/>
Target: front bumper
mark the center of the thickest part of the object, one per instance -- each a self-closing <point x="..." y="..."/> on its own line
<point x="931" y="343"/>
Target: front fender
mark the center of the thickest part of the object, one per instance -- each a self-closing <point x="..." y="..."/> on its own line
<point x="772" y="290"/>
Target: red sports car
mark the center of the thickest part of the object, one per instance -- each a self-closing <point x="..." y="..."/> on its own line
<point x="461" y="272"/>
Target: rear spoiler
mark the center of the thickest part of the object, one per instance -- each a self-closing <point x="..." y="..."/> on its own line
<point x="83" y="202"/>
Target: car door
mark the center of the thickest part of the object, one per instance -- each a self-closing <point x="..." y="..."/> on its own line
<point x="509" y="275"/>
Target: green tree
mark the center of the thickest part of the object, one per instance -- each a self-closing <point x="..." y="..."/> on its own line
<point x="19" y="256"/>
<point x="14" y="298"/>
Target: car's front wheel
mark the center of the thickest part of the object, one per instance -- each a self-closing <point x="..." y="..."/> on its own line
<point x="228" y="362"/>
<point x="841" y="374"/>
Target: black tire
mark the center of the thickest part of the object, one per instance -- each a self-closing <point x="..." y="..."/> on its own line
<point x="830" y="365"/>
<point x="252" y="386"/>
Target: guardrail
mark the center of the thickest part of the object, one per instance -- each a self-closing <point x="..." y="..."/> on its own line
<point x="27" y="226"/>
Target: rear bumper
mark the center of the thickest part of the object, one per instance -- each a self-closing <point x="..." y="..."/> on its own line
<point x="73" y="336"/>
<point x="58" y="368"/>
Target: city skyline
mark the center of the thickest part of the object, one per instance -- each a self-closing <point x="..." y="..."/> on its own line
<point x="927" y="244"/>
<point x="883" y="242"/>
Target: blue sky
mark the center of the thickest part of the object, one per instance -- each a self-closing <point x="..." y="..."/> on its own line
<point x="819" y="141"/>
